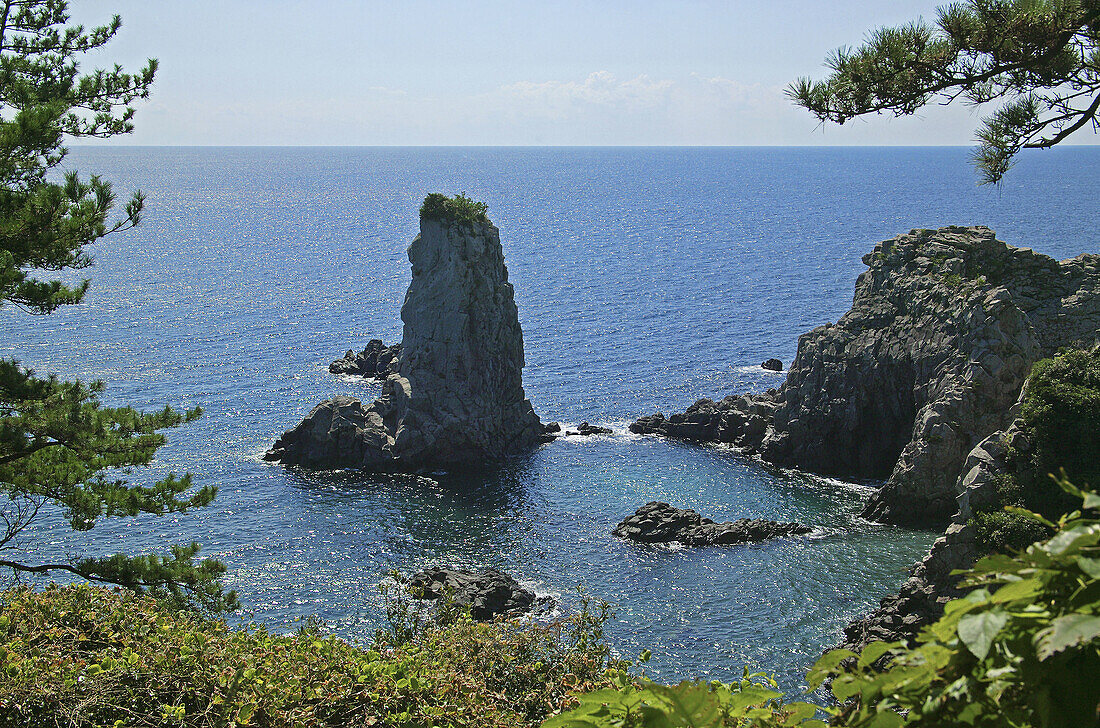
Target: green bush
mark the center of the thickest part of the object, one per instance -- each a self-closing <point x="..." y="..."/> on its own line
<point x="1061" y="409"/>
<point x="1021" y="649"/>
<point x="460" y="209"/>
<point x="1003" y="532"/>
<point x="85" y="656"/>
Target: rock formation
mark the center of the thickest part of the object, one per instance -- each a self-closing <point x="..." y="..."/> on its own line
<point x="376" y="361"/>
<point x="487" y="594"/>
<point x="774" y="365"/>
<point x="661" y="523"/>
<point x="586" y="430"/>
<point x="457" y="398"/>
<point x="931" y="583"/>
<point x="943" y="330"/>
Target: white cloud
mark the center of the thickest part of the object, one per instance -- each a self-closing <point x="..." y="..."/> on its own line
<point x="599" y="108"/>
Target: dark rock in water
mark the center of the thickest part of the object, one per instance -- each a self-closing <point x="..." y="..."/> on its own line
<point x="661" y="523"/>
<point x="376" y="361"/>
<point x="551" y="431"/>
<point x="945" y="325"/>
<point x="586" y="430"/>
<point x="457" y="399"/>
<point x="487" y="593"/>
<point x="774" y="365"/>
<point x="338" y="433"/>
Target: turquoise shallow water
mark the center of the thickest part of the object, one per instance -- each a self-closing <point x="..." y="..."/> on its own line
<point x="645" y="278"/>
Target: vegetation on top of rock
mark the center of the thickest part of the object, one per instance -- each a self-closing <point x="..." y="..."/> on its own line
<point x="460" y="209"/>
<point x="1021" y="649"/>
<point x="84" y="656"/>
<point x="1040" y="57"/>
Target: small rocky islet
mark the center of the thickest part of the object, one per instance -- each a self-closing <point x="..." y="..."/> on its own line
<point x="658" y="522"/>
<point x="487" y="594"/>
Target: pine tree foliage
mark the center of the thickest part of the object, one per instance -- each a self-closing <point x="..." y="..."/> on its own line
<point x="1039" y="58"/>
<point x="59" y="446"/>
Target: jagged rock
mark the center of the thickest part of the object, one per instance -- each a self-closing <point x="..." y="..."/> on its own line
<point x="376" y="361"/>
<point x="930" y="585"/>
<point x="487" y="593"/>
<point x="944" y="328"/>
<point x="661" y="523"/>
<point x="457" y="398"/>
<point x="586" y="430"/>
<point x="774" y="365"/>
<point x="921" y="599"/>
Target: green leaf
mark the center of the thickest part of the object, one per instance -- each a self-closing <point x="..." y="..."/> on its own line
<point x="1065" y="632"/>
<point x="977" y="631"/>
<point x="825" y="666"/>
<point x="1014" y="590"/>
<point x="1090" y="566"/>
<point x="874" y="651"/>
<point x="886" y="719"/>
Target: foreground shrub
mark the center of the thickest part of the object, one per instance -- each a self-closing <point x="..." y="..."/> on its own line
<point x="1021" y="649"/>
<point x="84" y="656"/>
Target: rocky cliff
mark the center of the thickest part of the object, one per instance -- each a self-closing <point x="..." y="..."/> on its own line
<point x="932" y="583"/>
<point x="457" y="398"/>
<point x="943" y="330"/>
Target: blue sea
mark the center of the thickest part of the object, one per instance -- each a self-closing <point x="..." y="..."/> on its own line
<point x="646" y="278"/>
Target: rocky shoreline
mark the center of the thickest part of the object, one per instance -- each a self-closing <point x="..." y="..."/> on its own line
<point x="918" y="384"/>
<point x="943" y="330"/>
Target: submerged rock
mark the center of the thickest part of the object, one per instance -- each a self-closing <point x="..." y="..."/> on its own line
<point x="457" y="398"/>
<point x="774" y="365"/>
<point x="944" y="328"/>
<point x="487" y="593"/>
<point x="376" y="361"/>
<point x="657" y="522"/>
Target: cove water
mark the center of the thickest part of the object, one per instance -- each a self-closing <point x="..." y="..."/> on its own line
<point x="645" y="279"/>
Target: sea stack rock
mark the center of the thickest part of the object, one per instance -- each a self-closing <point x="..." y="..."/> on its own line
<point x="457" y="398"/>
<point x="944" y="328"/>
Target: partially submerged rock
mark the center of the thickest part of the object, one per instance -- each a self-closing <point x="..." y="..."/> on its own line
<point x="376" y="361"/>
<point x="657" y="522"/>
<point x="586" y="430"/>
<point x="943" y="330"/>
<point x="774" y="365"/>
<point x="457" y="398"/>
<point x="487" y="594"/>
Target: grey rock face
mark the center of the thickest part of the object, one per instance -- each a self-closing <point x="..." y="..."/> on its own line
<point x="457" y="398"/>
<point x="487" y="594"/>
<point x="921" y="599"/>
<point x="661" y="523"/>
<point x="376" y="361"/>
<point x="930" y="585"/>
<point x="944" y="328"/>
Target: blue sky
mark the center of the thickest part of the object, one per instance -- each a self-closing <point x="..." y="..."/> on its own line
<point x="422" y="72"/>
